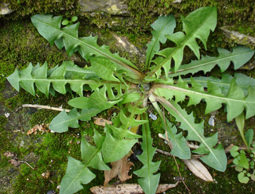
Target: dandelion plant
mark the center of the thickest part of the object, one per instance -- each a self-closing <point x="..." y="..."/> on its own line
<point x="111" y="80"/>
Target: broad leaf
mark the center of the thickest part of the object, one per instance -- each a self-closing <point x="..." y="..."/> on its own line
<point x="97" y="100"/>
<point x="148" y="181"/>
<point x="163" y="26"/>
<point x="179" y="144"/>
<point x="91" y="155"/>
<point x="77" y="173"/>
<point x="64" y="120"/>
<point x="114" y="149"/>
<point x="215" y="157"/>
<point x="104" y="68"/>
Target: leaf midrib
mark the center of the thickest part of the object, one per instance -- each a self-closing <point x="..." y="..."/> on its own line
<point x="94" y="48"/>
<point x="181" y="45"/>
<point x="204" y="64"/>
<point x="225" y="99"/>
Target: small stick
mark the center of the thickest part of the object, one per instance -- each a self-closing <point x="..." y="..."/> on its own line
<point x="28" y="164"/>
<point x="44" y="107"/>
<point x="163" y="152"/>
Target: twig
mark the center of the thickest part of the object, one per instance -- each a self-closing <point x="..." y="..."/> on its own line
<point x="192" y="146"/>
<point x="44" y="107"/>
<point x="163" y="152"/>
<point x="182" y="179"/>
<point x="28" y="164"/>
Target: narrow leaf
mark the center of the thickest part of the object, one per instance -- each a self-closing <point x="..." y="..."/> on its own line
<point x="235" y="99"/>
<point x="148" y="181"/>
<point x="239" y="56"/>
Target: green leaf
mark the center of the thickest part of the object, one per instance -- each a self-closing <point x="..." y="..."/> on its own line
<point x="243" y="81"/>
<point x="148" y="181"/>
<point x="64" y="120"/>
<point x="215" y="157"/>
<point x="97" y="100"/>
<point x="58" y="78"/>
<point x="249" y="136"/>
<point x="241" y="160"/>
<point x="239" y="56"/>
<point x="242" y="178"/>
<point x="114" y="149"/>
<point x="240" y="120"/>
<point x="180" y="146"/>
<point x="77" y="173"/>
<point x="65" y="22"/>
<point x="163" y="26"/>
<point x="130" y="121"/>
<point x="50" y="28"/>
<point x="234" y="151"/>
<point x="91" y="155"/>
<point x="74" y="18"/>
<point x="236" y="102"/>
<point x="104" y="68"/>
<point x="131" y="97"/>
<point x="197" y="25"/>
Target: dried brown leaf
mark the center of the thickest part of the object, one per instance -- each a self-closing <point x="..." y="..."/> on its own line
<point x="101" y="121"/>
<point x="198" y="169"/>
<point x="120" y="168"/>
<point x="38" y="128"/>
<point x="46" y="174"/>
<point x="8" y="154"/>
<point x="128" y="189"/>
<point x="14" y="162"/>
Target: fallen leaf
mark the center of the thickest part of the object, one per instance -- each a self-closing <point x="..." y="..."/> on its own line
<point x="46" y="174"/>
<point x="198" y="169"/>
<point x="14" y="162"/>
<point x="120" y="168"/>
<point x="101" y="121"/>
<point x="8" y="154"/>
<point x="38" y="128"/>
<point x="128" y="189"/>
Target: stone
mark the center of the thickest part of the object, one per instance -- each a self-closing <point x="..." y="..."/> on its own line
<point x="4" y="9"/>
<point x="113" y="7"/>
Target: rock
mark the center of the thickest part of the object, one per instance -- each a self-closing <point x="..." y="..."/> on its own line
<point x="238" y="37"/>
<point x="113" y="7"/>
<point x="4" y="9"/>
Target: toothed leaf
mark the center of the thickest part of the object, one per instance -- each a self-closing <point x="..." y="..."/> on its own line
<point x="163" y="26"/>
<point x="214" y="157"/>
<point x="50" y="28"/>
<point x="239" y="56"/>
<point x="197" y="25"/>
<point x="149" y="180"/>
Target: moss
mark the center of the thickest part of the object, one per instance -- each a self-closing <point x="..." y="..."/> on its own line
<point x="30" y="7"/>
